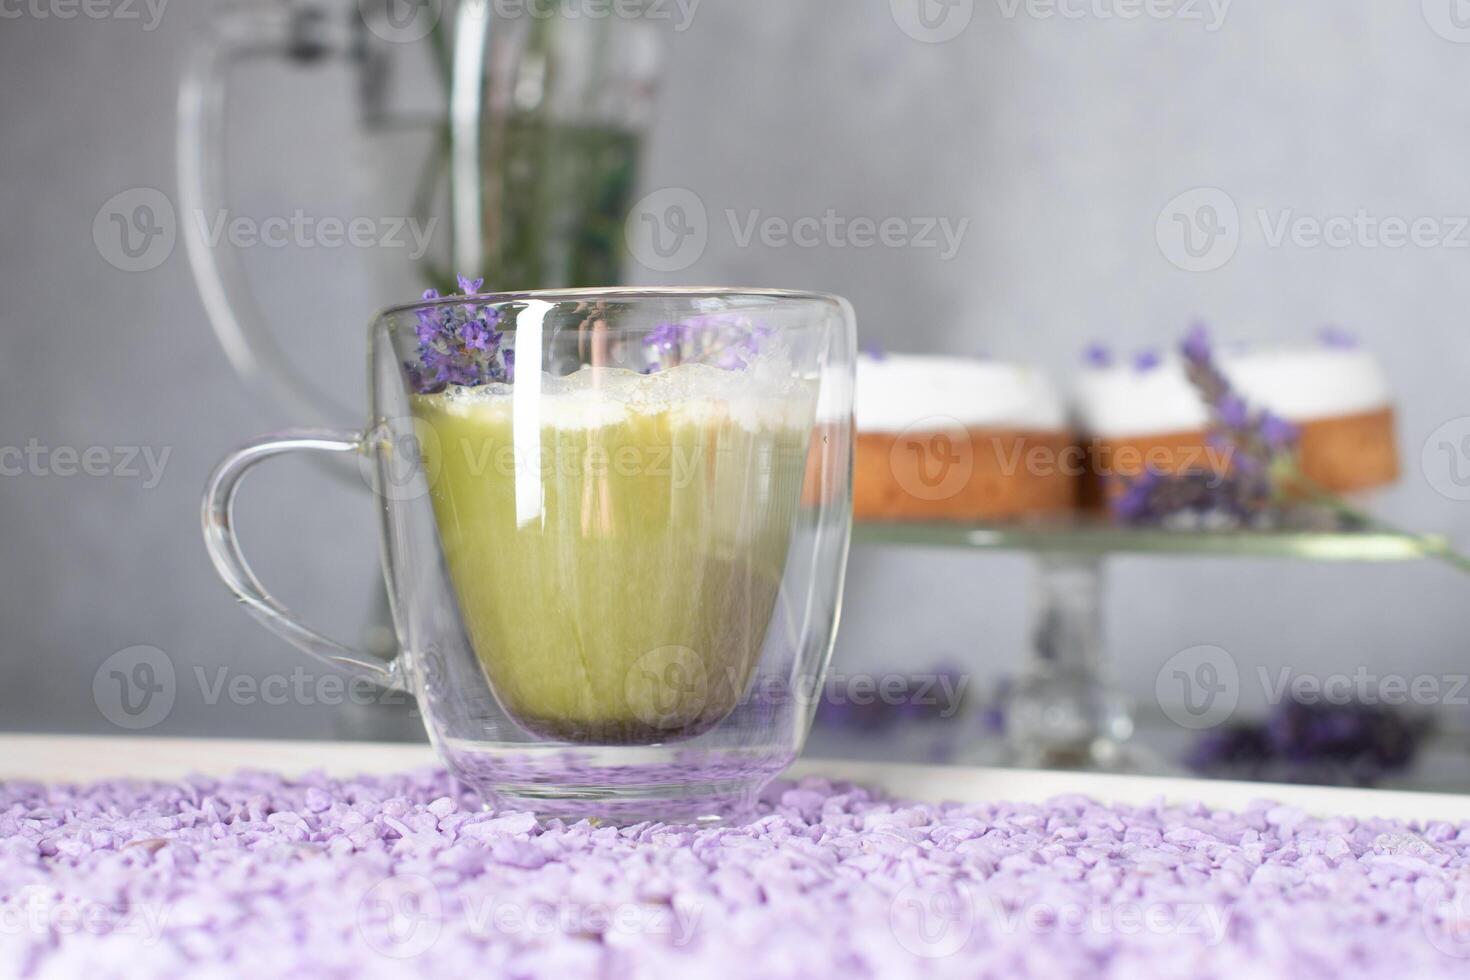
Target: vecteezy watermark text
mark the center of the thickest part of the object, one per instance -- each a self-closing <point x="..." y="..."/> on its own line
<point x="668" y="230"/>
<point x="299" y="687"/>
<point x="35" y="912"/>
<point x="136" y="230"/>
<point x="1201" y="230"/>
<point x="1210" y="13"/>
<point x="937" y="919"/>
<point x="136" y="688"/>
<point x="936" y="457"/>
<point x="302" y="230"/>
<point x="402" y="917"/>
<point x="119" y="462"/>
<point x="408" y="21"/>
<point x="831" y="230"/>
<point x="938" y="21"/>
<point x="149" y="12"/>
<point x="1200" y="687"/>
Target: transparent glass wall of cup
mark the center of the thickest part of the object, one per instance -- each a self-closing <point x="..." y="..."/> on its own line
<point x="492" y="139"/>
<point x="614" y="532"/>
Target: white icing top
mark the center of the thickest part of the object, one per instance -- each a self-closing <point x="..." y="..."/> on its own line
<point x="1121" y="400"/>
<point x="1305" y="383"/>
<point x="1298" y="383"/>
<point x="899" y="390"/>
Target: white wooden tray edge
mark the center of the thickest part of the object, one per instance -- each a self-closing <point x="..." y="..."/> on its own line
<point x="83" y="758"/>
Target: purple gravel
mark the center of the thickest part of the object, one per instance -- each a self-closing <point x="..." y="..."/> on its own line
<point x="259" y="876"/>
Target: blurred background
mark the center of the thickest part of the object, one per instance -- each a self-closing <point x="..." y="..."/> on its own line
<point x="1040" y="155"/>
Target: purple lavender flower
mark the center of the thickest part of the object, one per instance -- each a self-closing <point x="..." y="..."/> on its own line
<point x="666" y="338"/>
<point x="727" y="340"/>
<point x="1253" y="441"/>
<point x="1355" y="743"/>
<point x="1135" y="504"/>
<point x="1278" y="433"/>
<point x="1337" y="338"/>
<point x="874" y="351"/>
<point x="430" y="327"/>
<point x="1196" y="346"/>
<point x="1232" y="411"/>
<point x="458" y="344"/>
<point x="1147" y="360"/>
<point x="480" y="334"/>
<point x="1098" y="356"/>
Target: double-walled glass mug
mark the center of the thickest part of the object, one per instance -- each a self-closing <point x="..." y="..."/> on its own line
<point x="614" y="530"/>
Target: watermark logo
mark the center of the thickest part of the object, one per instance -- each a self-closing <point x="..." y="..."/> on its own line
<point x="667" y="230"/>
<point x="932" y="21"/>
<point x="667" y="687"/>
<point x="401" y="917"/>
<point x="135" y="688"/>
<point x="1450" y="19"/>
<point x="1202" y="229"/>
<point x="932" y="459"/>
<point x="1445" y="919"/>
<point x="401" y="21"/>
<point x="1198" y="687"/>
<point x="1445" y="459"/>
<point x="932" y="921"/>
<point x="1199" y="230"/>
<point x="407" y="460"/>
<point x="135" y="230"/>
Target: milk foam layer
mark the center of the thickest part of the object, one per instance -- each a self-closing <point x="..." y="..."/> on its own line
<point x="899" y="391"/>
<point x="599" y="397"/>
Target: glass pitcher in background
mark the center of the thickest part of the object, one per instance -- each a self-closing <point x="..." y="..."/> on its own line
<point x="517" y="124"/>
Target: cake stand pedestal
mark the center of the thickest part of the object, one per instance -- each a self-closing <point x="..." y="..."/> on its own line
<point x="1065" y="711"/>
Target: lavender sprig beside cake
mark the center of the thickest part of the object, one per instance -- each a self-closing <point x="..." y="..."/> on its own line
<point x="1237" y="436"/>
<point x="1257" y="445"/>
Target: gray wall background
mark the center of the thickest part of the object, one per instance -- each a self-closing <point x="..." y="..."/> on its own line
<point x="1060" y="139"/>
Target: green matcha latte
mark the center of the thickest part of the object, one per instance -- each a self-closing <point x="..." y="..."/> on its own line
<point x="617" y="541"/>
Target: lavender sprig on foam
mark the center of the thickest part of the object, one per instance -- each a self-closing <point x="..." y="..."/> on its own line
<point x="459" y="344"/>
<point x="726" y="340"/>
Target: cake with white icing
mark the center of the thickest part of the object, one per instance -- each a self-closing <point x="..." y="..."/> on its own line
<point x="949" y="438"/>
<point x="1147" y="414"/>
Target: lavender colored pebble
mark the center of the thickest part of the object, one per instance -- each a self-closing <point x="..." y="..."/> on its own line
<point x="261" y="876"/>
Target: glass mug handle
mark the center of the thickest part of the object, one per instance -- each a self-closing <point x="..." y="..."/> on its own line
<point x="233" y="34"/>
<point x="229" y="560"/>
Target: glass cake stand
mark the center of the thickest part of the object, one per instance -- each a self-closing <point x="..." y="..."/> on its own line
<point x="1064" y="709"/>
